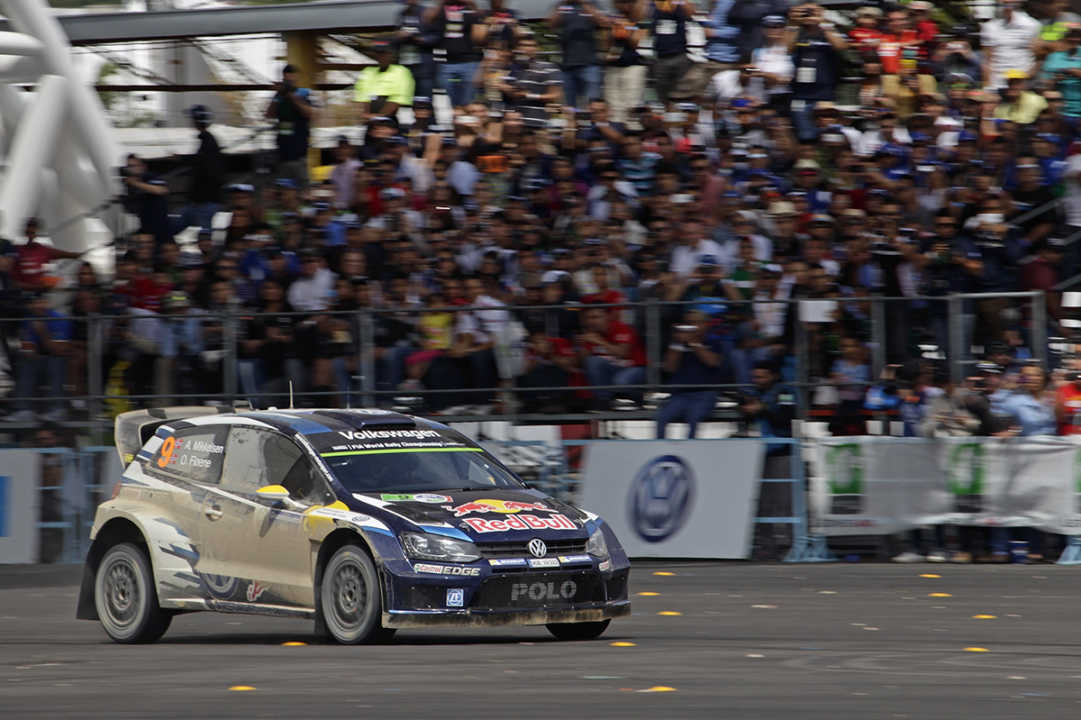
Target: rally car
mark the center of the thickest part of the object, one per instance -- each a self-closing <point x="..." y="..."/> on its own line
<point x="364" y="520"/>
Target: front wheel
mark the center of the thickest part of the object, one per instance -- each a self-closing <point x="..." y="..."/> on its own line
<point x="125" y="596"/>
<point x="351" y="604"/>
<point x="578" y="631"/>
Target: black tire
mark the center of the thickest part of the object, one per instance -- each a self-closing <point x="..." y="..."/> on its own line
<point x="126" y="598"/>
<point x="578" y="631"/>
<point x="350" y="599"/>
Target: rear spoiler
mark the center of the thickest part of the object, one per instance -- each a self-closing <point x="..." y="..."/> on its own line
<point x="132" y="429"/>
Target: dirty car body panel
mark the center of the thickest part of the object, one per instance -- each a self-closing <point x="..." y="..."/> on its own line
<point x="456" y="538"/>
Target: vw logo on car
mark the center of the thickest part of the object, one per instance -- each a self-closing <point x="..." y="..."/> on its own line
<point x="537" y="548"/>
<point x="660" y="498"/>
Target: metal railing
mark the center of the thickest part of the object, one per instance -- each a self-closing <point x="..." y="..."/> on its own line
<point x="943" y="326"/>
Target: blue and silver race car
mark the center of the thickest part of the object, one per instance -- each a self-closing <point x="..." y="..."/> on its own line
<point x="364" y="520"/>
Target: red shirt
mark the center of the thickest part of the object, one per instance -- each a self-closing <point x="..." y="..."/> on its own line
<point x="865" y="38"/>
<point x="891" y="50"/>
<point x="30" y="261"/>
<point x="620" y="334"/>
<point x="1069" y="397"/>
<point x="1039" y="275"/>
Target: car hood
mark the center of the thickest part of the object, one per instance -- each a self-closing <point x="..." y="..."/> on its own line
<point x="486" y="515"/>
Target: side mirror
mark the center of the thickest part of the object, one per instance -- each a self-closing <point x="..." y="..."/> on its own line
<point x="273" y="492"/>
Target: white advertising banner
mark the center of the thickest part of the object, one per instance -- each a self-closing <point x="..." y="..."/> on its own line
<point x="19" y="473"/>
<point x="684" y="499"/>
<point x="880" y="485"/>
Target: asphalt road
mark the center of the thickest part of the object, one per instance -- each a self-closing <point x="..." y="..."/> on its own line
<point x="749" y="641"/>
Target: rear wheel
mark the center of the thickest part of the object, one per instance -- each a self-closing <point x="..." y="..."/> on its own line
<point x="125" y="596"/>
<point x="578" y="631"/>
<point x="351" y="604"/>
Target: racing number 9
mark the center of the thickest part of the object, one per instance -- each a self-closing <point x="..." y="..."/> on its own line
<point x="166" y="453"/>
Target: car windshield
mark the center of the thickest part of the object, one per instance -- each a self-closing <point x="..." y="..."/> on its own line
<point x="459" y="468"/>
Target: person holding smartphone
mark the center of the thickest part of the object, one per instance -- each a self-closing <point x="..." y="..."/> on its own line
<point x="693" y="362"/>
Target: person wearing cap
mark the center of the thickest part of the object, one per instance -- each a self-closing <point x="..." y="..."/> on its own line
<point x="384" y="87"/>
<point x="749" y="19"/>
<point x="771" y="64"/>
<point x="1019" y="105"/>
<point x="1063" y="68"/>
<point x="1007" y="42"/>
<point x="292" y="109"/>
<point x="207" y="174"/>
<point x="865" y="35"/>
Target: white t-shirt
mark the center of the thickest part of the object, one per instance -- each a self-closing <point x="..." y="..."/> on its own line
<point x="1010" y="44"/>
<point x="484" y="325"/>
<point x="775" y="60"/>
<point x="308" y="294"/>
<point x="685" y="258"/>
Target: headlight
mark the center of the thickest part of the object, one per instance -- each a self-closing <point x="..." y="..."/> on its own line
<point x="438" y="547"/>
<point x="596" y="546"/>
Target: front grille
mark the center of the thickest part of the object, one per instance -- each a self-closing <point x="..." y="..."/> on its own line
<point x="540" y="590"/>
<point x="521" y="549"/>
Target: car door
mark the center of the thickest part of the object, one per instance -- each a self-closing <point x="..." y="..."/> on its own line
<point x="263" y="540"/>
<point x="189" y="461"/>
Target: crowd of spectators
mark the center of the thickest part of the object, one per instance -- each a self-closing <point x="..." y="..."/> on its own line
<point x="707" y="158"/>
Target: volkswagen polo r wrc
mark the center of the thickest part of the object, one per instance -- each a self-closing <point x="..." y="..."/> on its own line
<point x="364" y="520"/>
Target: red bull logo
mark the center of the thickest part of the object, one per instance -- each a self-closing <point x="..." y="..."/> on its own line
<point x="521" y="522"/>
<point x="506" y="507"/>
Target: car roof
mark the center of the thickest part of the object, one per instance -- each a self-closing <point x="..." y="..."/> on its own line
<point x="314" y="421"/>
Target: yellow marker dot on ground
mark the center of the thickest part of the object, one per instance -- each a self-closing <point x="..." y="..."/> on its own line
<point x="976" y="649"/>
<point x="664" y="573"/>
<point x="294" y="643"/>
<point x="659" y="688"/>
<point x="241" y="688"/>
<point x="649" y="593"/>
<point x="930" y="575"/>
<point x="939" y="595"/>
<point x="623" y="643"/>
<point x="669" y="612"/>
<point x="984" y="617"/>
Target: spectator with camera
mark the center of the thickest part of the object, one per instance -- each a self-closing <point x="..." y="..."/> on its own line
<point x="693" y="363"/>
<point x="292" y="110"/>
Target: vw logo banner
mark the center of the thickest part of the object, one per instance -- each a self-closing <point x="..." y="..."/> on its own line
<point x="688" y="499"/>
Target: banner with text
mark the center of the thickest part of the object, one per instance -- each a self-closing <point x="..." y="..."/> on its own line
<point x="19" y="497"/>
<point x="685" y="499"/>
<point x="880" y="485"/>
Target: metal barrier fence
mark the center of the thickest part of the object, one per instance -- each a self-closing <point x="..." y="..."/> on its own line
<point x="69" y="499"/>
<point x="359" y="357"/>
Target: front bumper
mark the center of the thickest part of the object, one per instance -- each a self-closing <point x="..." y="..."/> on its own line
<point x="483" y="618"/>
<point x="508" y="598"/>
